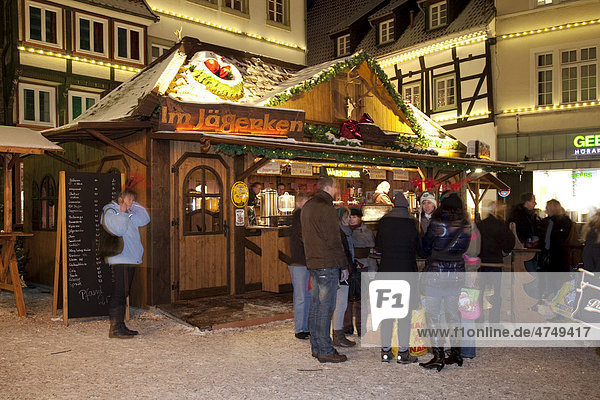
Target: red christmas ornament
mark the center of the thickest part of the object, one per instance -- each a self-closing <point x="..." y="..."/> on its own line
<point x="349" y="130"/>
<point x="212" y="65"/>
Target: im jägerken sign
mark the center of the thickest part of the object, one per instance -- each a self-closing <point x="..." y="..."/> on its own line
<point x="229" y="118"/>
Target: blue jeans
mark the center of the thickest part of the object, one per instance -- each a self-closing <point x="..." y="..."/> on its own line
<point x="300" y="277"/>
<point x="341" y="303"/>
<point x="324" y="283"/>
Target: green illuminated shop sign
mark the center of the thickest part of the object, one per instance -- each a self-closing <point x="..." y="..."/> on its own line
<point x="588" y="144"/>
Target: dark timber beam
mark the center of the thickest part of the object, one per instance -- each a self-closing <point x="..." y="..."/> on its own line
<point x="250" y="170"/>
<point x="118" y="146"/>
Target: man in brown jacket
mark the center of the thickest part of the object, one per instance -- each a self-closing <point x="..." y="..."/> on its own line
<point x="324" y="258"/>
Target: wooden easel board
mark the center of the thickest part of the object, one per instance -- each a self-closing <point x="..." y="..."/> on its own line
<point x="86" y="277"/>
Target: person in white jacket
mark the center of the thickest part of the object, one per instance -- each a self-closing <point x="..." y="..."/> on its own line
<point x="123" y="218"/>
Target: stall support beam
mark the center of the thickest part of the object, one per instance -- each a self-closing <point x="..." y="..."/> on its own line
<point x="250" y="170"/>
<point x="118" y="146"/>
<point x="7" y="195"/>
<point x="239" y="239"/>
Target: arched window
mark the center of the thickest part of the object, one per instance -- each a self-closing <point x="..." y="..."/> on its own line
<point x="202" y="202"/>
<point x="47" y="201"/>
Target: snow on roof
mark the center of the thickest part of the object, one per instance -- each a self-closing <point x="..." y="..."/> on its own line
<point x="122" y="102"/>
<point x="16" y="139"/>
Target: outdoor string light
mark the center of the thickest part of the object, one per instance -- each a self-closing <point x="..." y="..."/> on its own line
<point x="77" y="58"/>
<point x="227" y="29"/>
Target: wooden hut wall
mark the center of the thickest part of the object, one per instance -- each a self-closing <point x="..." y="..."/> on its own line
<point x="84" y="156"/>
<point x="326" y="103"/>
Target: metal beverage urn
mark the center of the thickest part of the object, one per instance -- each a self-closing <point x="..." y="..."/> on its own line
<point x="268" y="207"/>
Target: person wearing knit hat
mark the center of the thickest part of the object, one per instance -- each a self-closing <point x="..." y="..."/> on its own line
<point x="426" y="209"/>
<point x="452" y="200"/>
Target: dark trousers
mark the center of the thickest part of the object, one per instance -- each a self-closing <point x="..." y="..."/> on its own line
<point x="122" y="276"/>
<point x="353" y="311"/>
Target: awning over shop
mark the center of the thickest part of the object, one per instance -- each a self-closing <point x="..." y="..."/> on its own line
<point x="479" y="181"/>
<point x="23" y="140"/>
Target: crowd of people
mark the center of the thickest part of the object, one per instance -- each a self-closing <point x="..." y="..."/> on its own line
<point x="332" y="246"/>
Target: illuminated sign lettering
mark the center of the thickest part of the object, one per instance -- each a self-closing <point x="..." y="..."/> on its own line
<point x="586" y="145"/>
<point x="343" y="173"/>
<point x="228" y="118"/>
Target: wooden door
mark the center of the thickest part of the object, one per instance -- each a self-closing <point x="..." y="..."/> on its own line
<point x="202" y="227"/>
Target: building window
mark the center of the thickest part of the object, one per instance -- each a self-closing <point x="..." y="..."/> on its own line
<point x="444" y="92"/>
<point x="386" y="31"/>
<point x="43" y="24"/>
<point x="438" y="15"/>
<point x="539" y="3"/>
<point x="544" y="79"/>
<point x="46" y="201"/>
<point x="237" y="5"/>
<point x="37" y="105"/>
<point x="91" y="35"/>
<point x="412" y="93"/>
<point x="203" y="202"/>
<point x="578" y="75"/>
<point x="158" y="50"/>
<point x="343" y="45"/>
<point x="80" y="102"/>
<point x="277" y="11"/>
<point x="128" y="43"/>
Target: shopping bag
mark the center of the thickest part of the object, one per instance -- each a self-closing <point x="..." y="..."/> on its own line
<point x="565" y="301"/>
<point x="418" y="345"/>
<point x="468" y="303"/>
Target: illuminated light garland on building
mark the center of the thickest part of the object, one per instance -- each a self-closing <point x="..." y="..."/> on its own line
<point x="550" y="29"/>
<point x="445" y="45"/>
<point x="77" y="58"/>
<point x="227" y="29"/>
<point x="551" y="108"/>
<point x="477" y="114"/>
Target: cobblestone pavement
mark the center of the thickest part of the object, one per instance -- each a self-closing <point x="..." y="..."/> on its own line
<point x="40" y="358"/>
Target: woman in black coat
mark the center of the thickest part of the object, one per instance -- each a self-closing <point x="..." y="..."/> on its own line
<point x="446" y="241"/>
<point x="398" y="241"/>
<point x="556" y="230"/>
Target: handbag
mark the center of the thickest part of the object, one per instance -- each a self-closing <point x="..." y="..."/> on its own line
<point x="468" y="303"/>
<point x="110" y="245"/>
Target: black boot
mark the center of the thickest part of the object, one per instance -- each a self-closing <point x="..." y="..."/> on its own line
<point x="129" y="331"/>
<point x="454" y="357"/>
<point x="437" y="361"/>
<point x="117" y="331"/>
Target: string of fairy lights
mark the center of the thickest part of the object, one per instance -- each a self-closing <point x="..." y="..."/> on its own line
<point x="87" y="60"/>
<point x="225" y="28"/>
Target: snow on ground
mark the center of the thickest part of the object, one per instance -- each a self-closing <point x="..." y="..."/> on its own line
<point x="41" y="358"/>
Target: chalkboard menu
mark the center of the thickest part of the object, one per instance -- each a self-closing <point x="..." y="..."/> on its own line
<point x="88" y="277"/>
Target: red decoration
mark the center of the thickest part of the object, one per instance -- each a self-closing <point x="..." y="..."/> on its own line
<point x="455" y="187"/>
<point x="366" y="119"/>
<point x="430" y="183"/>
<point x="224" y="72"/>
<point x="212" y="65"/>
<point x="349" y="130"/>
<point x="133" y="181"/>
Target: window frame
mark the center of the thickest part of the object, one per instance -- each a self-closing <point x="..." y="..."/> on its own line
<point x="447" y="106"/>
<point x="244" y="12"/>
<point x="50" y="225"/>
<point x="21" y="104"/>
<point x="286" y="14"/>
<point x="390" y="36"/>
<point x="84" y="95"/>
<point x="78" y="15"/>
<point x="220" y="196"/>
<point x="544" y="68"/>
<point x="412" y="85"/>
<point x="60" y="18"/>
<point x="438" y="21"/>
<point x="577" y="65"/>
<point x="161" y="48"/>
<point x="338" y="46"/>
<point x="115" y="41"/>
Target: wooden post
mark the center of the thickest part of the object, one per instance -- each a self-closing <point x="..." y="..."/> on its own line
<point x="7" y="195"/>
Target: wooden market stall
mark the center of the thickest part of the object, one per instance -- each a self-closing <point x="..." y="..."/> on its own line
<point x="201" y="124"/>
<point x="15" y="142"/>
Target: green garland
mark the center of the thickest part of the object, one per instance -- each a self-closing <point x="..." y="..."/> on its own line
<point x="236" y="150"/>
<point x="421" y="140"/>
